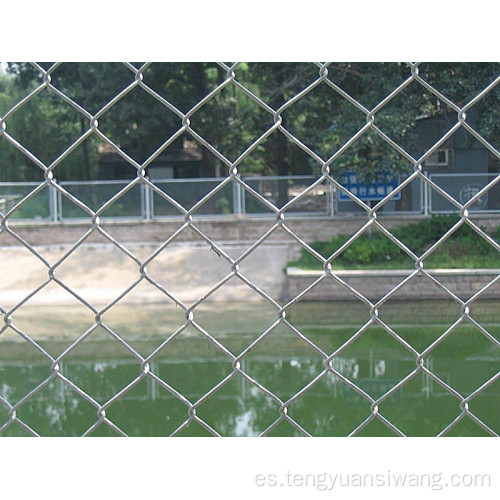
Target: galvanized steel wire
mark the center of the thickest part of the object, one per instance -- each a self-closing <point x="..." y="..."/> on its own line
<point x="140" y="84"/>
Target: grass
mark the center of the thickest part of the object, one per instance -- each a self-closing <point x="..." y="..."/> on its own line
<point x="465" y="248"/>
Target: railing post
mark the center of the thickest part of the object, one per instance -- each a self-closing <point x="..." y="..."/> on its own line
<point x="331" y="199"/>
<point x="426" y="196"/>
<point x="53" y="208"/>
<point x="237" y="199"/>
<point x="146" y="201"/>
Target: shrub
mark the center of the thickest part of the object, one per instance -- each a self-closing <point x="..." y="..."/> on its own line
<point x="463" y="248"/>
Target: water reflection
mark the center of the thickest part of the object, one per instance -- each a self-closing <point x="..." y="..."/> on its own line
<point x="282" y="364"/>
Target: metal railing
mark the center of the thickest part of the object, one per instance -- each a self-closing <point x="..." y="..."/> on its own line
<point x="143" y="202"/>
<point x="257" y="196"/>
<point x="462" y="187"/>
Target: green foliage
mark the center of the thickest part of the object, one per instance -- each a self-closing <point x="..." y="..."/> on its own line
<point x="323" y="120"/>
<point x="223" y="206"/>
<point x="496" y="234"/>
<point x="464" y="248"/>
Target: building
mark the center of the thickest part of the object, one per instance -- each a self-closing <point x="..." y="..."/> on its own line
<point x="462" y="166"/>
<point x="178" y="161"/>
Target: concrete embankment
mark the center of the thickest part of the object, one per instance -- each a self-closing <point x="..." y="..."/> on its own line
<point x="374" y="285"/>
<point x="100" y="273"/>
<point x="235" y="230"/>
<point x="189" y="268"/>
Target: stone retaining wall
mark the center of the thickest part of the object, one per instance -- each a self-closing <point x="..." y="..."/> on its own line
<point x="221" y="230"/>
<point x="375" y="284"/>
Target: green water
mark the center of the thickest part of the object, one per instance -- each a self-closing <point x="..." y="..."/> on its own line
<point x="282" y="363"/>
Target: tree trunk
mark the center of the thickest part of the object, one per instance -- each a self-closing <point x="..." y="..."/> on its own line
<point x="200" y="83"/>
<point x="282" y="148"/>
<point x="85" y="151"/>
<point x="85" y="148"/>
<point x="283" y="166"/>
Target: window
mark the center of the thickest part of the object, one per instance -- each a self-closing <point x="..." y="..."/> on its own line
<point x="440" y="158"/>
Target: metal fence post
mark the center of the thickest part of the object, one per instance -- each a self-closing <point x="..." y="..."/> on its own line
<point x="146" y="200"/>
<point x="53" y="208"/>
<point x="237" y="199"/>
<point x="331" y="200"/>
<point x="426" y="196"/>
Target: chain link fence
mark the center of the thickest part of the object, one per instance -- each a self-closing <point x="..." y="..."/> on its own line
<point x="259" y="197"/>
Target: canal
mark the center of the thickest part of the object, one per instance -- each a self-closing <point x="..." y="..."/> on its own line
<point x="282" y="363"/>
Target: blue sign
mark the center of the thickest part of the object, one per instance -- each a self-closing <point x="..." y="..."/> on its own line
<point x="369" y="191"/>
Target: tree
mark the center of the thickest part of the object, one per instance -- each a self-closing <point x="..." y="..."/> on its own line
<point x="322" y="120"/>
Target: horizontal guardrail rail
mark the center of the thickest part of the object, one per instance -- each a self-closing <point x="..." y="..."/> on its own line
<point x="143" y="202"/>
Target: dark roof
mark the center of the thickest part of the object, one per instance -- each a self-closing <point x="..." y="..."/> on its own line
<point x="173" y="155"/>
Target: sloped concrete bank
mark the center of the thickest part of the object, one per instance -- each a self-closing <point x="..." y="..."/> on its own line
<point x="375" y="284"/>
<point x="100" y="273"/>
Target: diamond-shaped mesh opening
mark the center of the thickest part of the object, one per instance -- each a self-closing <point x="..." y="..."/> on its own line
<point x="283" y="81"/>
<point x="357" y="79"/>
<point x="46" y="126"/>
<point x="17" y="283"/>
<point x="485" y="403"/>
<point x="443" y="77"/>
<point x="456" y="250"/>
<point x="331" y="407"/>
<point x="157" y="320"/>
<point x="183" y="280"/>
<point x="429" y="408"/>
<point x="52" y="329"/>
<point x="381" y="361"/>
<point x="250" y="320"/>
<point x="400" y="119"/>
<point x="176" y="368"/>
<point x="193" y="191"/>
<point x="125" y="124"/>
<point x="41" y="320"/>
<point x="323" y="120"/>
<point x="283" y="362"/>
<point x="106" y="80"/>
<point x="239" y="408"/>
<point x="111" y="369"/>
<point x="328" y="327"/>
<point x="57" y="411"/>
<point x="275" y="155"/>
<point x="371" y="156"/>
<point x="229" y="316"/>
<point x="223" y="126"/>
<point x="419" y="323"/>
<point x="28" y="206"/>
<point x="466" y="345"/>
<point x="184" y="84"/>
<point x="106" y="262"/>
<point x="147" y="402"/>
